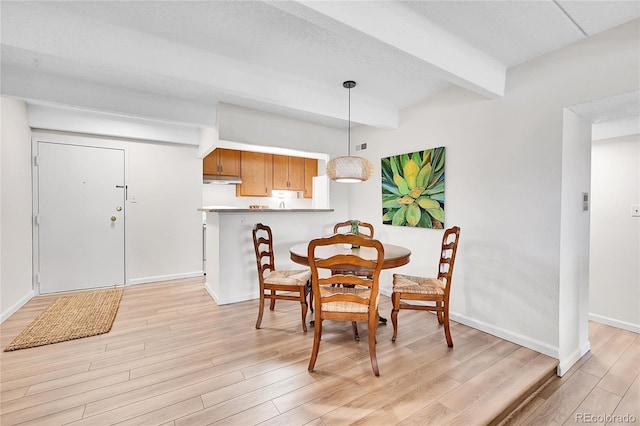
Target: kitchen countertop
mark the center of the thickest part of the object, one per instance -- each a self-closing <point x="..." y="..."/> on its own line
<point x="221" y="209"/>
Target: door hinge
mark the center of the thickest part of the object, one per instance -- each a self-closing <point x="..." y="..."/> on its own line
<point x="36" y="220"/>
<point x="38" y="278"/>
<point x="36" y="160"/>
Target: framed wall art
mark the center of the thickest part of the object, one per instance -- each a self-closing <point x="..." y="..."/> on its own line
<point x="413" y="189"/>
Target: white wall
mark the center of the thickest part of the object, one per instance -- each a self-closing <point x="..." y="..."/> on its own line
<point x="503" y="184"/>
<point x="614" y="288"/>
<point x="574" y="240"/>
<point x="163" y="226"/>
<point x="16" y="285"/>
<point x="245" y="125"/>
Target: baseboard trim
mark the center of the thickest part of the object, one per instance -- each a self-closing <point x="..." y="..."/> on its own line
<point x="157" y="278"/>
<point x="516" y="338"/>
<point x="228" y="300"/>
<point x="19" y="304"/>
<point x="566" y="363"/>
<point x="615" y="323"/>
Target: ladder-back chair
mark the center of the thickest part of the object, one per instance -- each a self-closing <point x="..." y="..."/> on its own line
<point x="358" y="301"/>
<point x="364" y="229"/>
<point x="437" y="290"/>
<point x="273" y="281"/>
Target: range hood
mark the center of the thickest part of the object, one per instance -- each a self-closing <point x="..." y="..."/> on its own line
<point x="221" y="180"/>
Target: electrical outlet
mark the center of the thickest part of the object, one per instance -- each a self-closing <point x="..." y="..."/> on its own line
<point x="635" y="210"/>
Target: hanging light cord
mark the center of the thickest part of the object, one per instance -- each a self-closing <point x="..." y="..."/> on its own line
<point x="349" y="146"/>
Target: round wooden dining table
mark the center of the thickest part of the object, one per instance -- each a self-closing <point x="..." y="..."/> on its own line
<point x="394" y="256"/>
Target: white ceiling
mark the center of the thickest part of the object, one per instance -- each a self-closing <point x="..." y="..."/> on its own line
<point x="615" y="108"/>
<point x="176" y="60"/>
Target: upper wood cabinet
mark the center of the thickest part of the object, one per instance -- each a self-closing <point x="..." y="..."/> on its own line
<point x="288" y="173"/>
<point x="310" y="171"/>
<point x="261" y="173"/>
<point x="222" y="161"/>
<point x="256" y="170"/>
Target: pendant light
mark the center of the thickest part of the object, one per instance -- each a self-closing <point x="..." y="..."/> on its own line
<point x="349" y="169"/>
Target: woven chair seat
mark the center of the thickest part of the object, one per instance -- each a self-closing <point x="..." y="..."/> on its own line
<point x="295" y="277"/>
<point x="350" y="307"/>
<point x="417" y="285"/>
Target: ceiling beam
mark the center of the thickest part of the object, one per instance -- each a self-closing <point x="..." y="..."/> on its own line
<point x="445" y="55"/>
<point x="98" y="48"/>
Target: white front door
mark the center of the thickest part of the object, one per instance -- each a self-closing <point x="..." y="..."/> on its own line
<point x="81" y="213"/>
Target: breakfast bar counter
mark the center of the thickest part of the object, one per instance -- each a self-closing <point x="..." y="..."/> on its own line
<point x="267" y="210"/>
<point x="231" y="261"/>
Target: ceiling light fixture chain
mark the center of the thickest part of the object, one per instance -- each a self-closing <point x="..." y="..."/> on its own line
<point x="349" y="169"/>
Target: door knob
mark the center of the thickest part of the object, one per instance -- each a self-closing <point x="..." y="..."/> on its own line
<point x="113" y="218"/>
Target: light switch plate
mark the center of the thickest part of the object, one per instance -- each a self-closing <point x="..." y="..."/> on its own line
<point x="635" y="210"/>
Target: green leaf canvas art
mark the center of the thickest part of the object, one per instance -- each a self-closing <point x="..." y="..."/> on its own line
<point x="413" y="189"/>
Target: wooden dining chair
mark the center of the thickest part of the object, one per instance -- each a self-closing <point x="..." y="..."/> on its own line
<point x="292" y="284"/>
<point x="358" y="301"/>
<point x="364" y="229"/>
<point x="437" y="290"/>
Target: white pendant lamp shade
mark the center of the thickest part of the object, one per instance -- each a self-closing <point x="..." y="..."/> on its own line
<point x="349" y="169"/>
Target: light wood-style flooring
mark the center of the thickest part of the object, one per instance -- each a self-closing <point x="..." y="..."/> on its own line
<point x="174" y="357"/>
<point x="603" y="387"/>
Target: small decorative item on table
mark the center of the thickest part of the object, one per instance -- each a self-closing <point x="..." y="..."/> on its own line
<point x="355" y="225"/>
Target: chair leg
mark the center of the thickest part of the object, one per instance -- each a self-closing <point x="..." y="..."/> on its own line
<point x="373" y="325"/>
<point x="304" y="306"/>
<point x="260" y="309"/>
<point x="439" y="313"/>
<point x="311" y="298"/>
<point x="447" y="332"/>
<point x="356" y="336"/>
<point x="272" y="305"/>
<point x="317" y="334"/>
<point x="395" y="298"/>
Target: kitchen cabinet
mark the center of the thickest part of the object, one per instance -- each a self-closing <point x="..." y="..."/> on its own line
<point x="256" y="170"/>
<point x="310" y="171"/>
<point x="223" y="162"/>
<point x="261" y="173"/>
<point x="288" y="173"/>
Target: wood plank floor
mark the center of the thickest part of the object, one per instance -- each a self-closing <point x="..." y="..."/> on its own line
<point x="603" y="387"/>
<point x="174" y="357"/>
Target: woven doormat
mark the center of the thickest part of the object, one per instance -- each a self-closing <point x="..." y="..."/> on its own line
<point x="71" y="317"/>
